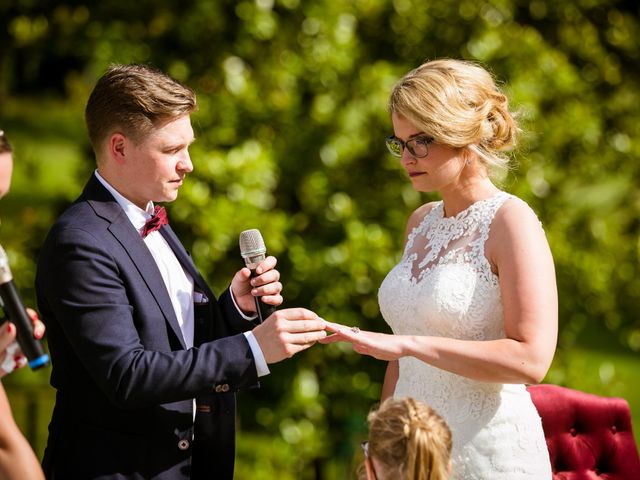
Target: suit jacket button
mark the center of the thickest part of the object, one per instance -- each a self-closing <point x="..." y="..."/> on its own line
<point x="183" y="444"/>
<point x="225" y="388"/>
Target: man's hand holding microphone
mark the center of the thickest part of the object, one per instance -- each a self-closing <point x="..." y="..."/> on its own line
<point x="256" y="290"/>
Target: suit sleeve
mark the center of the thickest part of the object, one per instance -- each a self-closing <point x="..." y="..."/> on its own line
<point x="80" y="286"/>
<point x="230" y="311"/>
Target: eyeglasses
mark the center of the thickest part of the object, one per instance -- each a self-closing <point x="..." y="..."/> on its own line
<point x="418" y="146"/>
<point x="365" y="448"/>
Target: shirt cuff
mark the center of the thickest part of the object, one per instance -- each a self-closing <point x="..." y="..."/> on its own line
<point x="261" y="363"/>
<point x="242" y="314"/>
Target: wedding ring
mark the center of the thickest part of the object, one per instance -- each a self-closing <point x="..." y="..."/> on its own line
<point x="355" y="329"/>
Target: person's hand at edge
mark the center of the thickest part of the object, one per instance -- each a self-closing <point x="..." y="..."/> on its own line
<point x="11" y="357"/>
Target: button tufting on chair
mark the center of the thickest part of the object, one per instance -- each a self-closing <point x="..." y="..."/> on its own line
<point x="587" y="435"/>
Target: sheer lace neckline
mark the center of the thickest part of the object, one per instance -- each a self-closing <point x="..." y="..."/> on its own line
<point x="439" y="208"/>
<point x="438" y="240"/>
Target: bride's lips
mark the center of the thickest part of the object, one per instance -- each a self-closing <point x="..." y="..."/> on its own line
<point x="416" y="174"/>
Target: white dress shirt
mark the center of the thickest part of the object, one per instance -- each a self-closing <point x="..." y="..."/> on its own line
<point x="178" y="282"/>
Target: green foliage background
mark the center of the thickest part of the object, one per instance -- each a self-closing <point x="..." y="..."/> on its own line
<point x="292" y="97"/>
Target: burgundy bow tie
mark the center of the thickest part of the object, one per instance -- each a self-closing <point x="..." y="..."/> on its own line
<point x="158" y="219"/>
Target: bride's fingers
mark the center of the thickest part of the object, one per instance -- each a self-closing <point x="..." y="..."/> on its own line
<point x="335" y="327"/>
<point x="351" y="334"/>
<point x="337" y="333"/>
<point x="333" y="338"/>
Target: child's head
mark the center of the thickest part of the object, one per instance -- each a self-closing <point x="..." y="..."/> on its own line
<point x="408" y="440"/>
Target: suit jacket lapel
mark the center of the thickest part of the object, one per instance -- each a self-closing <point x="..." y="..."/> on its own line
<point x="121" y="228"/>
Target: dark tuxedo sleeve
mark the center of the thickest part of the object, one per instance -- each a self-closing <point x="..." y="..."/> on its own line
<point x="93" y="301"/>
<point x="230" y="311"/>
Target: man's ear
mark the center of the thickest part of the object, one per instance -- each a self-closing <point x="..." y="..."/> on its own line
<point x="118" y="145"/>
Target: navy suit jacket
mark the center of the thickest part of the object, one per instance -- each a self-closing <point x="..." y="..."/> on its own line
<point x="125" y="381"/>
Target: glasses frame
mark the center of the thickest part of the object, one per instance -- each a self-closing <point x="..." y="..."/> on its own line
<point x="409" y="145"/>
<point x="365" y="449"/>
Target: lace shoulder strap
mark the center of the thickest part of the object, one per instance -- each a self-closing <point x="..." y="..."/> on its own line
<point x="486" y="212"/>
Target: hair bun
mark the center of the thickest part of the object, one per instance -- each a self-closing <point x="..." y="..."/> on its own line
<point x="499" y="128"/>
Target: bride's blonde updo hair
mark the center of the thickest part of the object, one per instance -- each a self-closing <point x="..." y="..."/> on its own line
<point x="409" y="441"/>
<point x="458" y="104"/>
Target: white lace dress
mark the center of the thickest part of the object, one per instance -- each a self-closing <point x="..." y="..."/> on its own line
<point x="444" y="286"/>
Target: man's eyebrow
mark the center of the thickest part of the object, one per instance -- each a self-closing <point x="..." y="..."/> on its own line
<point x="179" y="143"/>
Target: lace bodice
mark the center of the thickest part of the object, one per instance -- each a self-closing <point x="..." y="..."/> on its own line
<point x="445" y="266"/>
<point x="444" y="286"/>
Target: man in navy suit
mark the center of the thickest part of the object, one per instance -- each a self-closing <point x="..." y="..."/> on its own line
<point x="146" y="361"/>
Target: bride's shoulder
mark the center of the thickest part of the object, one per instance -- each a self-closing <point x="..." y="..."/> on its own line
<point x="515" y="212"/>
<point x="517" y="237"/>
<point x="515" y="218"/>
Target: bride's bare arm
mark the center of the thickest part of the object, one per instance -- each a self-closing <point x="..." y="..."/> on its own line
<point x="390" y="380"/>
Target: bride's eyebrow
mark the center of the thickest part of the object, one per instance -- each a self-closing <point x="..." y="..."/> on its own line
<point x="419" y="134"/>
<point x="413" y="135"/>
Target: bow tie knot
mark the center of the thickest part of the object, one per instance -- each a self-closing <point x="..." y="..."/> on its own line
<point x="157" y="220"/>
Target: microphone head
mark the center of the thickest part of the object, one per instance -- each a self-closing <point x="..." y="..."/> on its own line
<point x="251" y="243"/>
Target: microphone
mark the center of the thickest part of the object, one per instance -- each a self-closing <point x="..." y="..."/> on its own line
<point x="253" y="251"/>
<point x="14" y="309"/>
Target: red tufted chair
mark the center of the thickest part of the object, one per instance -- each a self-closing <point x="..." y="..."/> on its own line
<point x="589" y="437"/>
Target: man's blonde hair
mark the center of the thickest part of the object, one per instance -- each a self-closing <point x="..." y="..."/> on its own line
<point x="458" y="104"/>
<point x="134" y="100"/>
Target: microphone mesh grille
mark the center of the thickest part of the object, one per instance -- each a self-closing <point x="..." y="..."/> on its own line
<point x="251" y="243"/>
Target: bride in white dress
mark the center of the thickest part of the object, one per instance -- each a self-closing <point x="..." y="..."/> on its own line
<point x="473" y="301"/>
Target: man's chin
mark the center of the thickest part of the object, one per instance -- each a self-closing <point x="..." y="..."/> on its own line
<point x="167" y="197"/>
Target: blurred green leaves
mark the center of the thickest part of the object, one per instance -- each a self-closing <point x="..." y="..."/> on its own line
<point x="292" y="116"/>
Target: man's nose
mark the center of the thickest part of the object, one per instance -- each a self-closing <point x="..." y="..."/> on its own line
<point x="185" y="164"/>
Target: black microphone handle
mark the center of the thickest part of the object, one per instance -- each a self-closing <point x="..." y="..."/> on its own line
<point x="14" y="309"/>
<point x="264" y="310"/>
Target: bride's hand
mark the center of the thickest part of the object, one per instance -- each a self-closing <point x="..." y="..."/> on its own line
<point x="378" y="345"/>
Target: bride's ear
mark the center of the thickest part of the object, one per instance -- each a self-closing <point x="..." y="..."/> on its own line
<point x="468" y="155"/>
